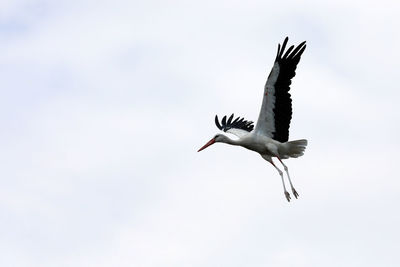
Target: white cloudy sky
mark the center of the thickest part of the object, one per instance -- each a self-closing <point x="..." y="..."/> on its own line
<point x="104" y="104"/>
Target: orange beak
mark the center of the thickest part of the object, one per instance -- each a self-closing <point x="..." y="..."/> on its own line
<point x="209" y="143"/>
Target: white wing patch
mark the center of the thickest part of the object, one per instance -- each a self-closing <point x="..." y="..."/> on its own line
<point x="266" y="121"/>
<point x="238" y="132"/>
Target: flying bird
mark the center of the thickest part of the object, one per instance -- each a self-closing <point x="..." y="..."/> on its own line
<point x="270" y="136"/>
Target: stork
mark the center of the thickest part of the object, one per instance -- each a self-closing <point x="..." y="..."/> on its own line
<point x="270" y="136"/>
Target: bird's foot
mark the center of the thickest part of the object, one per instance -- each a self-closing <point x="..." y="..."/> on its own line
<point x="287" y="196"/>
<point x="295" y="193"/>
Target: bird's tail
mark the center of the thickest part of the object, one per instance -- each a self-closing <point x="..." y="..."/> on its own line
<point x="296" y="148"/>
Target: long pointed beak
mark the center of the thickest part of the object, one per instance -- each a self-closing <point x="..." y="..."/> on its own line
<point x="209" y="143"/>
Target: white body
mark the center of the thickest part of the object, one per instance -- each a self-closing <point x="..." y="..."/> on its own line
<point x="267" y="146"/>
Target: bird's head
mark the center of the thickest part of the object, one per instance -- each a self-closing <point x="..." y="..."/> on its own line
<point x="217" y="138"/>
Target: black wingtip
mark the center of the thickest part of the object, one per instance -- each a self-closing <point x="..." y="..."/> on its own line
<point x="238" y="123"/>
<point x="277" y="53"/>
<point x="223" y="121"/>
<point x="298" y="50"/>
<point x="230" y="119"/>
<point x="283" y="46"/>
<point x="290" y="53"/>
<point x="217" y="122"/>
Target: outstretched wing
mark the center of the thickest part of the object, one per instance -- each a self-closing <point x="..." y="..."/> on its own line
<point x="276" y="109"/>
<point x="238" y="126"/>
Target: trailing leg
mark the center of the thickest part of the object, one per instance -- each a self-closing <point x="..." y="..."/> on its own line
<point x="290" y="181"/>
<point x="269" y="159"/>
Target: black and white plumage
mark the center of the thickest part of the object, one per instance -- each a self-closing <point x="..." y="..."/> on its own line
<point x="276" y="109"/>
<point x="232" y="126"/>
<point x="271" y="134"/>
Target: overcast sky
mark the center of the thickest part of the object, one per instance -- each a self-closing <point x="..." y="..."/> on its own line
<point x="104" y="104"/>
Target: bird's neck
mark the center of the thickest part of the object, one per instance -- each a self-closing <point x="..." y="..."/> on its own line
<point x="230" y="141"/>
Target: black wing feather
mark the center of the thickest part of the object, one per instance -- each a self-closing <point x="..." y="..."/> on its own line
<point x="238" y="123"/>
<point x="283" y="101"/>
<point x="288" y="51"/>
<point x="230" y="119"/>
<point x="217" y="122"/>
<point x="223" y="122"/>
